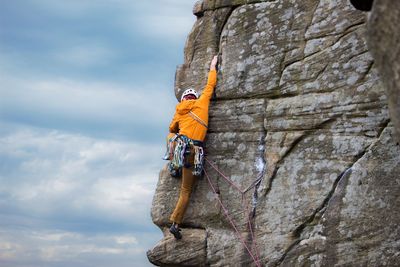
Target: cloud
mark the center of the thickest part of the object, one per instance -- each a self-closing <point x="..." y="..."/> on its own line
<point x="64" y="248"/>
<point x="170" y="22"/>
<point x="166" y="26"/>
<point x="163" y="19"/>
<point x="86" y="55"/>
<point x="71" y="181"/>
<point x="85" y="102"/>
<point x="80" y="198"/>
<point x="101" y="40"/>
<point x="101" y="108"/>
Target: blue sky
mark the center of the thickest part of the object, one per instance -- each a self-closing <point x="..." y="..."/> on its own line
<point x="86" y="96"/>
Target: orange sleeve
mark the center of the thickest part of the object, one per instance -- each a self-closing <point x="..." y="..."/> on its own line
<point x="211" y="83"/>
<point x="174" y="126"/>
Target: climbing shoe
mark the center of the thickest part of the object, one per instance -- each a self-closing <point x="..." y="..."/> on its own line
<point x="175" y="231"/>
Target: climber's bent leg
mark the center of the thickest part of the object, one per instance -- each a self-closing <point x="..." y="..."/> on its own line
<point x="188" y="180"/>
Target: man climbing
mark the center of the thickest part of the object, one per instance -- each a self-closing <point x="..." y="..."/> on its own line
<point x="187" y="132"/>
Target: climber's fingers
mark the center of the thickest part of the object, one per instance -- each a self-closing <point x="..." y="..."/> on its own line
<point x="214" y="62"/>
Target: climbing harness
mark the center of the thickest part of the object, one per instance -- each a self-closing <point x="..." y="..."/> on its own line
<point x="178" y="148"/>
<point x="255" y="256"/>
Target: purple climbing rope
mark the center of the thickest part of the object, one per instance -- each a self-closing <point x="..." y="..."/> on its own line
<point x="256" y="256"/>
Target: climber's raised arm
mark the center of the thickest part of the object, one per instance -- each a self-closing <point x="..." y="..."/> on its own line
<point x="211" y="81"/>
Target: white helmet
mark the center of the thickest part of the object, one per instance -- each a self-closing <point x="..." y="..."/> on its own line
<point x="189" y="92"/>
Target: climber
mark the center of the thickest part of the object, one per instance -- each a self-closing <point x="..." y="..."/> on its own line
<point x="185" y="150"/>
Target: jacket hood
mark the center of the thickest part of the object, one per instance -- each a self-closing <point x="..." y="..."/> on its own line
<point x="185" y="106"/>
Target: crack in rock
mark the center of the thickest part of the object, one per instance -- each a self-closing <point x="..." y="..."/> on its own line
<point x="319" y="212"/>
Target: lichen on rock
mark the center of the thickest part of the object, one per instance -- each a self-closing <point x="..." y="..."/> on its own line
<point x="300" y="102"/>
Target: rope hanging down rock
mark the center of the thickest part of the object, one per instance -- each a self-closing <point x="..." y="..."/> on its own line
<point x="256" y="256"/>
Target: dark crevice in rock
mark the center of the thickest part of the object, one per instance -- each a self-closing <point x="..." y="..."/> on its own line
<point x="284" y="94"/>
<point x="358" y="54"/>
<point x="207" y="263"/>
<point x="354" y="27"/>
<point x="347" y="31"/>
<point x="223" y="27"/>
<point x="192" y="226"/>
<point x="316" y="77"/>
<point x="319" y="212"/>
<point x="358" y="107"/>
<point x="327" y="111"/>
<point x="282" y="258"/>
<point x="271" y="180"/>
<point x="368" y="70"/>
<point x="284" y="61"/>
<point x="325" y="203"/>
<point x="236" y="131"/>
<point x="210" y="13"/>
<point x="322" y="125"/>
<point x="194" y="45"/>
<point x="383" y="126"/>
<point x="297" y="232"/>
<point x="269" y="95"/>
<point x="311" y="18"/>
<point x="350" y="30"/>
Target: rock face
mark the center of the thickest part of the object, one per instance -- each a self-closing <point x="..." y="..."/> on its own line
<point x="384" y="43"/>
<point x="300" y="105"/>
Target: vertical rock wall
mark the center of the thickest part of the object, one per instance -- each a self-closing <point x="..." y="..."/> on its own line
<point x="384" y="43"/>
<point x="299" y="103"/>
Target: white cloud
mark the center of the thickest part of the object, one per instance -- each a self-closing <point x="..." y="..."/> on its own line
<point x="115" y="180"/>
<point x="46" y="248"/>
<point x="163" y="19"/>
<point x="164" y="27"/>
<point x="90" y="181"/>
<point x="130" y="240"/>
<point x="108" y="103"/>
<point x="170" y="22"/>
<point x="72" y="8"/>
<point x="86" y="55"/>
<point x="57" y="188"/>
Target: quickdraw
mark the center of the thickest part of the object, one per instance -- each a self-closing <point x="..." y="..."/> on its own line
<point x="178" y="148"/>
<point x="198" y="160"/>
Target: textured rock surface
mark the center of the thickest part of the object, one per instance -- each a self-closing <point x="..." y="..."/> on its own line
<point x="300" y="103"/>
<point x="188" y="255"/>
<point x="384" y="40"/>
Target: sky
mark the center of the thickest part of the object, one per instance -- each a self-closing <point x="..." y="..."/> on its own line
<point x="86" y="97"/>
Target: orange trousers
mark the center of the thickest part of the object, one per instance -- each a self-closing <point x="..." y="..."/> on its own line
<point x="187" y="182"/>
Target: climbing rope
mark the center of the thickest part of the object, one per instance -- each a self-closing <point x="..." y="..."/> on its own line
<point x="256" y="256"/>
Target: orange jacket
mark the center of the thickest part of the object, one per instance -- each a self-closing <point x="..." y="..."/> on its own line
<point x="183" y="123"/>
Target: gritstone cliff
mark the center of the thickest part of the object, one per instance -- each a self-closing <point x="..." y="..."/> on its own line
<point x="299" y="102"/>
